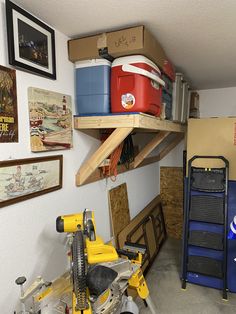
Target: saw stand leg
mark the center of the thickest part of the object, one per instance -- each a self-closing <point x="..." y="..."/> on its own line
<point x="151" y="305"/>
<point x="20" y="281"/>
<point x="138" y="282"/>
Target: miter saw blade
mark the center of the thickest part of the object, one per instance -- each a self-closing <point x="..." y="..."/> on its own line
<point x="79" y="271"/>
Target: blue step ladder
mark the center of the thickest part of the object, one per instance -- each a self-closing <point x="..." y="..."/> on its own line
<point x="205" y="225"/>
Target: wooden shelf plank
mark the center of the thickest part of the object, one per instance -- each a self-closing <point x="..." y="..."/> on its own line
<point x="137" y="120"/>
<point x="116" y="137"/>
<point x="158" y="139"/>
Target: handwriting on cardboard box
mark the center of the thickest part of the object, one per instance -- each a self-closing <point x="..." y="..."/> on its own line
<point x="124" y="41"/>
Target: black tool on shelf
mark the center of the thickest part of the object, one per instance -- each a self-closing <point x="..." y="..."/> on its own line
<point x="206" y="198"/>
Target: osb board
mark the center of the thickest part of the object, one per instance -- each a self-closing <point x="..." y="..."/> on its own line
<point x="213" y="136"/>
<point x="171" y="180"/>
<point x="119" y="209"/>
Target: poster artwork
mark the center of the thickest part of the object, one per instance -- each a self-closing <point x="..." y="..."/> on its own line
<point x="8" y="106"/>
<point x="50" y="118"/>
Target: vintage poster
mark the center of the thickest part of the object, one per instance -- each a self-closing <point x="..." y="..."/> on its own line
<point x="50" y="118"/>
<point x="8" y="106"/>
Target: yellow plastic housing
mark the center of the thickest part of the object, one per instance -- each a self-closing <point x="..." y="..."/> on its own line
<point x="98" y="252"/>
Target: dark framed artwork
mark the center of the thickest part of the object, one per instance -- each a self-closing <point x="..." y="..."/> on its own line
<point x="31" y="43"/>
<point x="21" y="179"/>
<point x="8" y="106"/>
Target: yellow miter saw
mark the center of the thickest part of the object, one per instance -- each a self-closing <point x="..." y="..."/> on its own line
<point x="100" y="276"/>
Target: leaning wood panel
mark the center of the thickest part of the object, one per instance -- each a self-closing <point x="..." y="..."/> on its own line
<point x="119" y="209"/>
<point x="146" y="228"/>
<point x="171" y="179"/>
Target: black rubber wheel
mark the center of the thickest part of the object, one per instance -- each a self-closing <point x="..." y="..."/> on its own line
<point x="225" y="296"/>
<point x="183" y="284"/>
<point x="79" y="271"/>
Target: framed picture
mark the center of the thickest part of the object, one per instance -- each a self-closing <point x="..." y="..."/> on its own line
<point x="22" y="179"/>
<point x="50" y="119"/>
<point x="31" y="43"/>
<point x="8" y="106"/>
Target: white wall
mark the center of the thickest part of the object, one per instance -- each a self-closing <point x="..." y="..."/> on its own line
<point x="218" y="102"/>
<point x="29" y="243"/>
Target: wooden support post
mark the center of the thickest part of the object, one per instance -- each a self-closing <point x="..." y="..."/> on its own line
<point x="150" y="147"/>
<point x="114" y="140"/>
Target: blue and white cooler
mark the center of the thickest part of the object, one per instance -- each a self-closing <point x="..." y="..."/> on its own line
<point x="92" y="86"/>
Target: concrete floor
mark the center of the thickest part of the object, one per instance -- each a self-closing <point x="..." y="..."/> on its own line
<point x="165" y="288"/>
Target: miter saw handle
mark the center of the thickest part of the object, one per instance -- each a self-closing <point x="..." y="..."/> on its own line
<point x="130" y="255"/>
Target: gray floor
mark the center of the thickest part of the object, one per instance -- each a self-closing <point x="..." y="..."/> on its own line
<point x="165" y="288"/>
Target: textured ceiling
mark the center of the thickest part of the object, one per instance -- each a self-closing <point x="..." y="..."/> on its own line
<point x="199" y="36"/>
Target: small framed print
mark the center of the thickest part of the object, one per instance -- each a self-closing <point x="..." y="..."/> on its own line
<point x="31" y="43"/>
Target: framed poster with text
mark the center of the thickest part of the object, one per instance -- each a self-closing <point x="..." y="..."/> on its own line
<point x="8" y="106"/>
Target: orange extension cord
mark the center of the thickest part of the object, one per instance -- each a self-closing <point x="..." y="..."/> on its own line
<point x="111" y="169"/>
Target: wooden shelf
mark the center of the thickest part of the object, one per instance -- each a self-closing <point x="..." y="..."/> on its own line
<point x="123" y="125"/>
<point x="135" y="120"/>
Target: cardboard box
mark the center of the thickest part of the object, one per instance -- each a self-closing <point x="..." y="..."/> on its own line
<point x="215" y="137"/>
<point x="129" y="41"/>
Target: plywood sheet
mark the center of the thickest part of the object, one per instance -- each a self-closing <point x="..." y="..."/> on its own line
<point x="119" y="209"/>
<point x="171" y="180"/>
<point x="213" y="136"/>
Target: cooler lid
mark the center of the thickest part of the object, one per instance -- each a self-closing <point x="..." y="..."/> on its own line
<point x="91" y="63"/>
<point x="135" y="59"/>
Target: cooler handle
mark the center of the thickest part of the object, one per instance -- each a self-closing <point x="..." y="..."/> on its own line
<point x="133" y="69"/>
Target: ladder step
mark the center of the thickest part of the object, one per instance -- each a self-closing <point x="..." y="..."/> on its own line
<point x="208" y="180"/>
<point x="207" y="209"/>
<point x="206" y="239"/>
<point x="205" y="266"/>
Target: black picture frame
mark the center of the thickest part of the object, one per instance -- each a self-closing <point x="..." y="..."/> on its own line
<point x="31" y="43"/>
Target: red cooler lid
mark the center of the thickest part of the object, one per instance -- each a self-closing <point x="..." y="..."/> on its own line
<point x="135" y="59"/>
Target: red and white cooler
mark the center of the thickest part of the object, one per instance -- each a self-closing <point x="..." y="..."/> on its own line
<point x="136" y="85"/>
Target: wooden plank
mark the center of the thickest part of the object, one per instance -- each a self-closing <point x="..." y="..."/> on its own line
<point x="119" y="209"/>
<point x="171" y="182"/>
<point x="102" y="152"/>
<point x="101" y="122"/>
<point x="173" y="144"/>
<point x="150" y="146"/>
<point x="140" y="120"/>
<point x="154" y="123"/>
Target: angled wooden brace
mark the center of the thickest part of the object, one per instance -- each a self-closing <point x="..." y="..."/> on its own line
<point x="113" y="141"/>
<point x="150" y="147"/>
